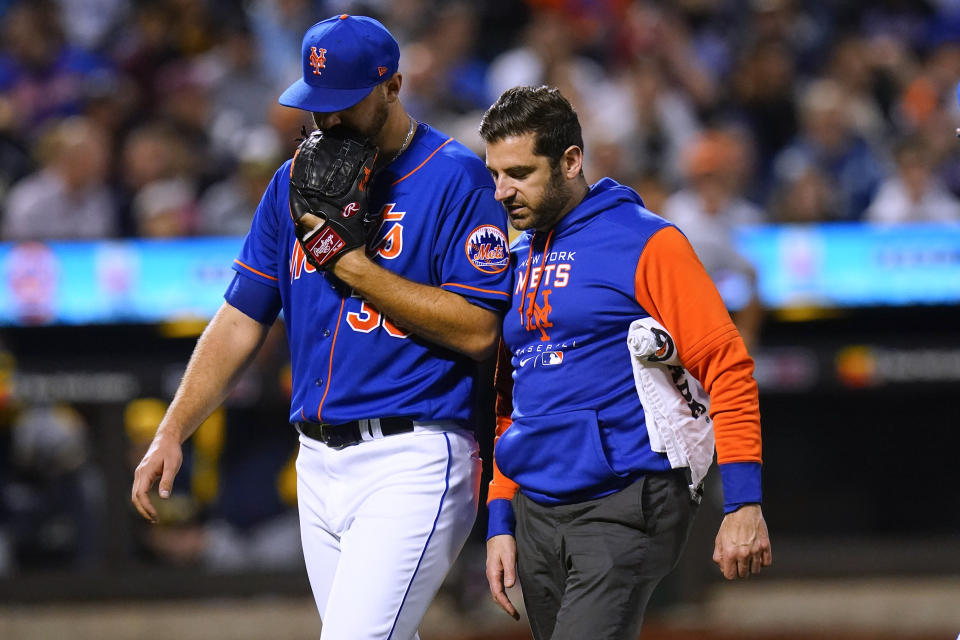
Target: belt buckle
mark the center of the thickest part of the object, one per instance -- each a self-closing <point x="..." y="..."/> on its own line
<point x="332" y="439"/>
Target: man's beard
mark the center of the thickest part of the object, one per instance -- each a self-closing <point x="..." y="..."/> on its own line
<point x="556" y="197"/>
<point x="371" y="130"/>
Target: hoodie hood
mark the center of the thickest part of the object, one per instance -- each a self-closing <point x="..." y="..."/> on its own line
<point x="603" y="195"/>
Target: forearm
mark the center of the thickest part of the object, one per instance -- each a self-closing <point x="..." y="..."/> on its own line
<point x="224" y="350"/>
<point x="430" y="312"/>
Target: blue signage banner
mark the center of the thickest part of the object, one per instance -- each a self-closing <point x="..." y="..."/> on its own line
<point x="134" y="281"/>
<point x="854" y="265"/>
<point x="148" y="281"/>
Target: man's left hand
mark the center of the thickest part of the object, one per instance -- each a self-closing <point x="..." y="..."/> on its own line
<point x="743" y="543"/>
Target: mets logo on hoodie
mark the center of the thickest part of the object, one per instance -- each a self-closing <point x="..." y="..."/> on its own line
<point x="487" y="249"/>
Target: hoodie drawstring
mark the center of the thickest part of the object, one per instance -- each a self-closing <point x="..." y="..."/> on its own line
<point x="525" y="317"/>
<point x="526" y="278"/>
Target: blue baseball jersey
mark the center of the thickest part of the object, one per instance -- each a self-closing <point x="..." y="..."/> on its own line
<point x="441" y="227"/>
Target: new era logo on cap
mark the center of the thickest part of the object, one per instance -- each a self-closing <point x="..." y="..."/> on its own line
<point x="343" y="58"/>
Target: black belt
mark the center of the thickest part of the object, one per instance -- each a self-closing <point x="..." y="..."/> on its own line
<point x="338" y="436"/>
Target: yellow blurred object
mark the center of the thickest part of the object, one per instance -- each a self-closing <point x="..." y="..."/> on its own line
<point x="287" y="481"/>
<point x="806" y="313"/>
<point x="141" y="418"/>
<point x="857" y="366"/>
<point x="8" y="366"/>
<point x="207" y="447"/>
<point x="185" y="327"/>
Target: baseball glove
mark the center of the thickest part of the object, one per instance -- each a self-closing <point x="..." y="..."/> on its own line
<point x="329" y="179"/>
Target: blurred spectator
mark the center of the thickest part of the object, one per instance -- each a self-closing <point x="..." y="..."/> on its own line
<point x="41" y="74"/>
<point x="68" y="197"/>
<point x="709" y="211"/>
<point x="227" y="207"/>
<point x="278" y="26"/>
<point x="192" y="25"/>
<point x="110" y="101"/>
<point x="716" y="165"/>
<point x="854" y="66"/>
<point x="913" y="193"/>
<point x="829" y="142"/>
<point x="595" y="22"/>
<point x="55" y="495"/>
<point x="405" y="17"/>
<point x="927" y="108"/>
<point x="658" y="31"/>
<point x="165" y="209"/>
<point x="15" y="160"/>
<point x="152" y="152"/>
<point x="288" y="124"/>
<point x="549" y="54"/>
<point x="444" y="78"/>
<point x="763" y="93"/>
<point x="664" y="122"/>
<point x="652" y="189"/>
<point x="90" y="23"/>
<point x="186" y="105"/>
<point x="241" y="93"/>
<point x="142" y="48"/>
<point x="804" y="27"/>
<point x="805" y="199"/>
<point x="907" y="20"/>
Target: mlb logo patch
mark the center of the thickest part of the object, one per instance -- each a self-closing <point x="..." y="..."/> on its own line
<point x="551" y="359"/>
<point x="487" y="249"/>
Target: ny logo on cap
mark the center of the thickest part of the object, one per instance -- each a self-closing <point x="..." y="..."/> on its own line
<point x="318" y="60"/>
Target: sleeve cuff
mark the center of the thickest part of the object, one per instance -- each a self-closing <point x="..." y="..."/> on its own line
<point x="490" y="299"/>
<point x="741" y="484"/>
<point x="501" y="520"/>
<point x="257" y="300"/>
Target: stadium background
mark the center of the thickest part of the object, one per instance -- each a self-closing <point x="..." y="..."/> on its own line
<point x="807" y="149"/>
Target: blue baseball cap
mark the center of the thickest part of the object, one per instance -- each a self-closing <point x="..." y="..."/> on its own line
<point x="344" y="57"/>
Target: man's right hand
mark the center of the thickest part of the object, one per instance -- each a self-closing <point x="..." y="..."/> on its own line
<point x="502" y="570"/>
<point x="162" y="460"/>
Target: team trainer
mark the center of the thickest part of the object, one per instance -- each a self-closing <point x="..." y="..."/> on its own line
<point x="625" y="363"/>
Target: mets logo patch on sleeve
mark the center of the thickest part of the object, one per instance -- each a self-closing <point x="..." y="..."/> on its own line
<point x="487" y="249"/>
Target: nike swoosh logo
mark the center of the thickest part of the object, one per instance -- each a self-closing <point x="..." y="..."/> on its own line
<point x="526" y="360"/>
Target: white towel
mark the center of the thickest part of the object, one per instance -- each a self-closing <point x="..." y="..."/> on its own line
<point x="676" y="407"/>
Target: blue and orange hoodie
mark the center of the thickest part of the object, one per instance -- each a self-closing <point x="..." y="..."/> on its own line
<point x="570" y="426"/>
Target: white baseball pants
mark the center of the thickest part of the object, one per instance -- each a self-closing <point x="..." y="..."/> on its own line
<point x="381" y="523"/>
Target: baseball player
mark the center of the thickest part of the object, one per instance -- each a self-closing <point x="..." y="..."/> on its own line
<point x="624" y="365"/>
<point x="385" y="249"/>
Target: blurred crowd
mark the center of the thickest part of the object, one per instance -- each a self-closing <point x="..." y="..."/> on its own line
<point x="158" y="118"/>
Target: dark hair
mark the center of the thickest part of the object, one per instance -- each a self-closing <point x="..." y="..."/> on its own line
<point x="541" y="110"/>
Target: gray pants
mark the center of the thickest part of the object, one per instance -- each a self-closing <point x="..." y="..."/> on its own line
<point x="587" y="569"/>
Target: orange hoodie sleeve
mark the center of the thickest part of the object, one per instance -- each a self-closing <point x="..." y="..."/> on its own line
<point x="501" y="486"/>
<point x="672" y="285"/>
<point x="501" y="490"/>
